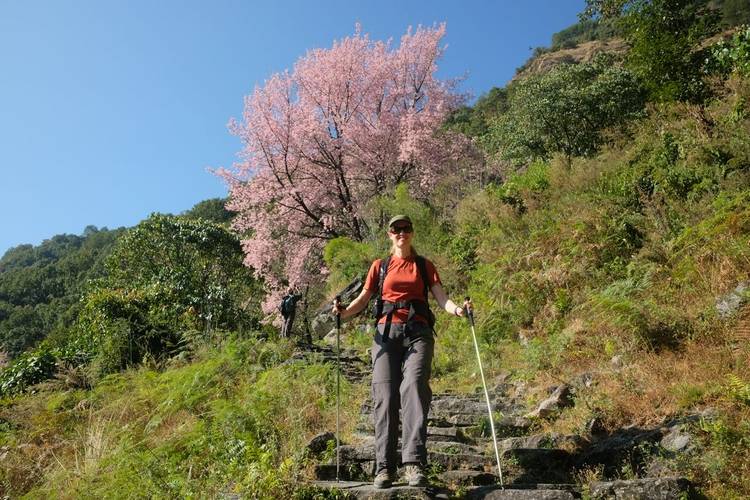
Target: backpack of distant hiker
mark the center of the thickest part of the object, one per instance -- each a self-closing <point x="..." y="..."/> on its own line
<point x="287" y="305"/>
<point x="416" y="307"/>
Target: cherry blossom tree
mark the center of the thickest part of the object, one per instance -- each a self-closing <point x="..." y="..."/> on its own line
<point x="345" y="125"/>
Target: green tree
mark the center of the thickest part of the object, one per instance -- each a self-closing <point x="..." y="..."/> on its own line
<point x="198" y="265"/>
<point x="211" y="210"/>
<point x="565" y="111"/>
<point x="664" y="38"/>
<point x="170" y="280"/>
<point x="474" y="121"/>
<point x="41" y="286"/>
<point x="735" y="12"/>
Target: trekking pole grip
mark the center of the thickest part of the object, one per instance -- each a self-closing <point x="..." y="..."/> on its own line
<point x="469" y="309"/>
<point x="337" y="302"/>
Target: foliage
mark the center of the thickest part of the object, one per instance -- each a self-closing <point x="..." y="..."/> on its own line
<point x="735" y="12"/>
<point x="348" y="124"/>
<point x="565" y="111"/>
<point x="40" y="286"/>
<point x="521" y="188"/>
<point x="213" y="210"/>
<point x="346" y="260"/>
<point x="170" y="281"/>
<point x="664" y="36"/>
<point x="195" y="266"/>
<point x="233" y="421"/>
<point x="474" y="121"/>
<point x="583" y="31"/>
<point x="731" y="55"/>
<point x="30" y="368"/>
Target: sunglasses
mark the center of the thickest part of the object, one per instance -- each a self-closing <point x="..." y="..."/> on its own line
<point x="401" y="229"/>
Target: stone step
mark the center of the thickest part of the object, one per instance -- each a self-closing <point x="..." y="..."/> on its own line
<point x="523" y="492"/>
<point x="434" y="434"/>
<point x="457" y="478"/>
<point x="525" y="465"/>
<point x="461" y="461"/>
<point x="542" y="441"/>
<point x="446" y="434"/>
<point x="535" y="465"/>
<point x="400" y="490"/>
<point x="662" y="487"/>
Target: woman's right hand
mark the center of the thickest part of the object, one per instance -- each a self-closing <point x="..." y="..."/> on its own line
<point x="337" y="308"/>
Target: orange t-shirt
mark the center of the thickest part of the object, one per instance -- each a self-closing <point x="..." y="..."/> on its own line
<point x="402" y="283"/>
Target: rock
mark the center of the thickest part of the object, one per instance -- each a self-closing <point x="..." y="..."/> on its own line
<point x="547" y="441"/>
<point x="319" y="443"/>
<point x="583" y="380"/>
<point x="677" y="440"/>
<point x="467" y="478"/>
<point x="663" y="488"/>
<point x="583" y="52"/>
<point x="560" y="398"/>
<point x="616" y="362"/>
<point x="323" y="322"/>
<point x="729" y="304"/>
<point x="625" y="444"/>
<point x="530" y="465"/>
<point x="510" y="493"/>
<point x="595" y="427"/>
<point x="365" y="490"/>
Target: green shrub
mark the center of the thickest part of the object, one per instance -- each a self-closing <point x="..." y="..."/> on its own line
<point x="732" y="55"/>
<point x="521" y="188"/>
<point x="346" y="259"/>
<point x="566" y="111"/>
<point x="30" y="368"/>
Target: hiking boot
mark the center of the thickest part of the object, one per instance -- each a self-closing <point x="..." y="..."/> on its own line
<point x="414" y="475"/>
<point x="384" y="479"/>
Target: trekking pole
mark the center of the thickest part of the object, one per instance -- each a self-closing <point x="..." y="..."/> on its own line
<point x="338" y="386"/>
<point x="470" y="315"/>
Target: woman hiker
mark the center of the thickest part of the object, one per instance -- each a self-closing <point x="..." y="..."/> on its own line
<point x="401" y="352"/>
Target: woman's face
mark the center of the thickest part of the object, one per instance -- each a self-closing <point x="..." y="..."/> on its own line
<point x="401" y="233"/>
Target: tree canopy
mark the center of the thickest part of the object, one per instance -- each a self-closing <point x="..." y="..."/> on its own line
<point x="565" y="111"/>
<point x="345" y="125"/>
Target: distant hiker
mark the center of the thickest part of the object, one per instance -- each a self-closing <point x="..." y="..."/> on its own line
<point x="402" y="351"/>
<point x="288" y="308"/>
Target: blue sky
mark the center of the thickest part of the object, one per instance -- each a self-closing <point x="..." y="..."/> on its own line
<point x="111" y="110"/>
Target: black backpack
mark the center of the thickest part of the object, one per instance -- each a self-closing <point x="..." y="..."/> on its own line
<point x="415" y="307"/>
<point x="287" y="305"/>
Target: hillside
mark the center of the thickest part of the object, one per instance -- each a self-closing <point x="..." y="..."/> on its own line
<point x="581" y="53"/>
<point x="602" y="230"/>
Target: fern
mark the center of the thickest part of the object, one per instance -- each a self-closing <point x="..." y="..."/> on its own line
<point x="737" y="389"/>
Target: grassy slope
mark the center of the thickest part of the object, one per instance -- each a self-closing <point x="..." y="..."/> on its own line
<point x="623" y="255"/>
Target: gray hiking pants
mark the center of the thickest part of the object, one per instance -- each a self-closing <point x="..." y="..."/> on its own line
<point x="401" y="379"/>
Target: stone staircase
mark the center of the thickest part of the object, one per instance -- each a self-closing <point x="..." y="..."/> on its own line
<point x="534" y="466"/>
<point x="461" y="455"/>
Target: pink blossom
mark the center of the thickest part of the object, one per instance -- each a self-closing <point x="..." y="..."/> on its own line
<point x="346" y="124"/>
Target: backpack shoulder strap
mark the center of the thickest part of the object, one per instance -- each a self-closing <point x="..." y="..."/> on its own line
<point x="381" y="274"/>
<point x="422" y="266"/>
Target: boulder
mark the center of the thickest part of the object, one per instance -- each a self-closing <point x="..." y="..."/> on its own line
<point x="319" y="443"/>
<point x="662" y="488"/>
<point x="560" y="398"/>
<point x="323" y="323"/>
<point x="729" y="304"/>
<point x="497" y="493"/>
<point x="677" y="440"/>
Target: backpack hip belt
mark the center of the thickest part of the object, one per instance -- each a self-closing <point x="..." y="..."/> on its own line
<point x="416" y="307"/>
